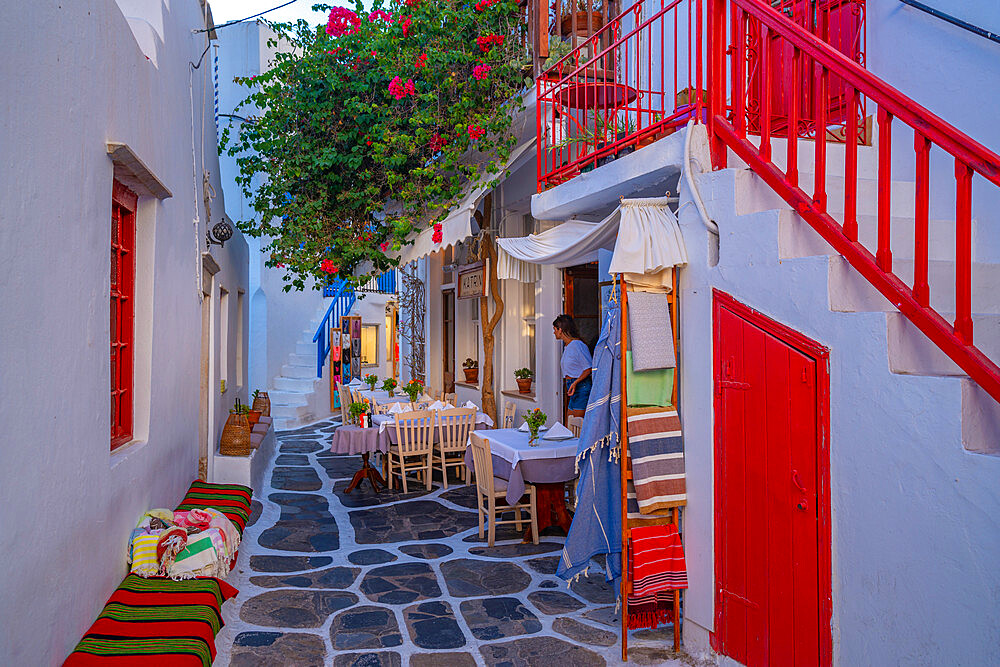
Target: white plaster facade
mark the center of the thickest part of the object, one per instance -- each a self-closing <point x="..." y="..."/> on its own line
<point x="75" y="77"/>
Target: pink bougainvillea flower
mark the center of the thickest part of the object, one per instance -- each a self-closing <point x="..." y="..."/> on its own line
<point x="327" y="266"/>
<point x="475" y="132"/>
<point x="411" y="88"/>
<point x="411" y="3"/>
<point x="399" y="90"/>
<point x="481" y="71"/>
<point x="383" y="246"/>
<point x="436" y="236"/>
<point x="342" y="21"/>
<point x="437" y="142"/>
<point x="379" y="14"/>
<point x="483" y="4"/>
<point x="406" y="23"/>
<point x="421" y="61"/>
<point x="486" y="42"/>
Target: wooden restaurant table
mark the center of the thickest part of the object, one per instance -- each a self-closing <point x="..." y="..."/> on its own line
<point x="548" y="466"/>
<point x="363" y="441"/>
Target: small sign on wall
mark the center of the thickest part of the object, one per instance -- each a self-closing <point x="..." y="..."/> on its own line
<point x="472" y="281"/>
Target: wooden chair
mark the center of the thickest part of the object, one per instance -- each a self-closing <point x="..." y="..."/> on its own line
<point x="345" y="405"/>
<point x="509" y="408"/>
<point x="453" y="427"/>
<point x="449" y="398"/>
<point x="490" y="488"/>
<point x="575" y="424"/>
<point x="414" y="441"/>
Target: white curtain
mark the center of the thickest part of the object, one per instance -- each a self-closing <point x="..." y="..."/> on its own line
<point x="649" y="238"/>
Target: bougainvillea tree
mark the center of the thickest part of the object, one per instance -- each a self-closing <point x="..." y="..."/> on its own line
<point x="371" y="127"/>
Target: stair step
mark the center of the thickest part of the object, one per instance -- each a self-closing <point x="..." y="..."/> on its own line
<point x="290" y="371"/>
<point x="309" y="360"/>
<point x="279" y="397"/>
<point x="850" y="292"/>
<point x="302" y="385"/>
<point x="306" y="348"/>
<point x="913" y="353"/>
<point x="289" y="411"/>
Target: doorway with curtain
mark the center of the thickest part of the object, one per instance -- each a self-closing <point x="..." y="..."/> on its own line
<point x="582" y="302"/>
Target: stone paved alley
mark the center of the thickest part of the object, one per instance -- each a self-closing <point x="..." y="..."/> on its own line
<point x="359" y="579"/>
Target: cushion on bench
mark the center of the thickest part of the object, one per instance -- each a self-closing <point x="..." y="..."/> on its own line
<point x="233" y="500"/>
<point x="156" y="621"/>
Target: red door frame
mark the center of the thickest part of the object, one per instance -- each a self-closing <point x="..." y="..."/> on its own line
<point x="721" y="300"/>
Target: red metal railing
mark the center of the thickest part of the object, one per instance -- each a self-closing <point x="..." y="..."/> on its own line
<point x="750" y="22"/>
<point x="636" y="78"/>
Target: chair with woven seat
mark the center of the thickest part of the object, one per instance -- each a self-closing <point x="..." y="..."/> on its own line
<point x="489" y="489"/>
<point x="508" y="415"/>
<point x="453" y="428"/>
<point x="414" y="446"/>
<point x="575" y="425"/>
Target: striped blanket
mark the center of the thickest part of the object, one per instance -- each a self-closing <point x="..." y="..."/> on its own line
<point x="233" y="500"/>
<point x="656" y="557"/>
<point x="156" y="621"/>
<point x="656" y="447"/>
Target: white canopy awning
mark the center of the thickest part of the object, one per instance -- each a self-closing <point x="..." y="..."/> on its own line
<point x="643" y="233"/>
<point x="458" y="225"/>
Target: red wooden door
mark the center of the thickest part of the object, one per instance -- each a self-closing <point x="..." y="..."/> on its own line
<point x="772" y="534"/>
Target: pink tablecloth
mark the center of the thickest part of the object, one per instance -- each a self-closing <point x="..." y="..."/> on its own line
<point x="357" y="440"/>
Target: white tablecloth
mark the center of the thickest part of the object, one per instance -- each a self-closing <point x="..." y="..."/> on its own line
<point x="382" y="397"/>
<point x="385" y="422"/>
<point x="516" y="461"/>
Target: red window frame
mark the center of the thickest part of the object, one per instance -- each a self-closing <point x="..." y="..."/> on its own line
<point x="123" y="206"/>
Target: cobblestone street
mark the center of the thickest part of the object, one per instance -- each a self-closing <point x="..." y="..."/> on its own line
<point x="393" y="579"/>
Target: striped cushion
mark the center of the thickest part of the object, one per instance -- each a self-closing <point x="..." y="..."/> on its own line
<point x="233" y="500"/>
<point x="156" y="621"/>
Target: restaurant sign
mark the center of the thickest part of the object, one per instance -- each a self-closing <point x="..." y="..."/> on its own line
<point x="472" y="281"/>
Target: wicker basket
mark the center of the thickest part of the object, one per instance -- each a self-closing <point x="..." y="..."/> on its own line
<point x="235" y="437"/>
<point x="263" y="404"/>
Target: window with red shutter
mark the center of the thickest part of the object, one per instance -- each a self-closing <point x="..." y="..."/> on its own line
<point x="123" y="205"/>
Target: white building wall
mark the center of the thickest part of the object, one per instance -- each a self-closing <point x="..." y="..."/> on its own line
<point x="67" y="504"/>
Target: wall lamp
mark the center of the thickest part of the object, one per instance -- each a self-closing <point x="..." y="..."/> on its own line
<point x="221" y="232"/>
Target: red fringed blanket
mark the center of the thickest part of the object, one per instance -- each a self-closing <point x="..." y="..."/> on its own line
<point x="156" y="621"/>
<point x="656" y="557"/>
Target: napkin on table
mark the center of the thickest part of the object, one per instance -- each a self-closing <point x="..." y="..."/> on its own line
<point x="425" y="398"/>
<point x="356" y="382"/>
<point x="557" y="432"/>
<point x="397" y="408"/>
<point x="436" y="405"/>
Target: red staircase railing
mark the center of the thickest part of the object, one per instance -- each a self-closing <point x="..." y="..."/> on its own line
<point x="627" y="84"/>
<point x="768" y="71"/>
<point x="730" y="24"/>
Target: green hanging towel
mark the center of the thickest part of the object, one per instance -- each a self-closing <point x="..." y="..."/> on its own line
<point x="648" y="388"/>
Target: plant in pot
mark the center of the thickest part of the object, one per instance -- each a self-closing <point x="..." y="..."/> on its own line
<point x="535" y="420"/>
<point x="523" y="376"/>
<point x="582" y="29"/>
<point x="371" y="380"/>
<point x="389" y="385"/>
<point x="243" y="409"/>
<point x="262" y="402"/>
<point x="356" y="410"/>
<point x="625" y="127"/>
<point x="413" y="388"/>
<point x="471" y="369"/>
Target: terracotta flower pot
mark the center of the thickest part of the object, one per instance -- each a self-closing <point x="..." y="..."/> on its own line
<point x="253" y="417"/>
<point x="566" y="27"/>
<point x="523" y="385"/>
<point x="471" y="375"/>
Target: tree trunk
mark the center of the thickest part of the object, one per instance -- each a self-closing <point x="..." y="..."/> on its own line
<point x="487" y="253"/>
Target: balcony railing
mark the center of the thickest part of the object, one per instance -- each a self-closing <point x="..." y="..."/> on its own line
<point x="381" y="284"/>
<point x="636" y="79"/>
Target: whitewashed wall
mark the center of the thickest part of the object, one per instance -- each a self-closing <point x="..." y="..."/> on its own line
<point x="72" y="78"/>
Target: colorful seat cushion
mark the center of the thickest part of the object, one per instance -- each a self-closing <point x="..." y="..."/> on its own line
<point x="233" y="500"/>
<point x="156" y="621"/>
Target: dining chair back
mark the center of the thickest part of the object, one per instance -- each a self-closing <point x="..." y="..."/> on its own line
<point x="489" y="489"/>
<point x="508" y="414"/>
<point x="345" y="404"/>
<point x="454" y="427"/>
<point x="414" y="445"/>
<point x="450" y="398"/>
<point x="575" y="425"/>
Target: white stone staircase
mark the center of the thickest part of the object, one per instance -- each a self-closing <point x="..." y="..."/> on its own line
<point x="295" y="395"/>
<point x="743" y="198"/>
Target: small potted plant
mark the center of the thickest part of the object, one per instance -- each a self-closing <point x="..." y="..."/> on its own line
<point x="371" y="380"/>
<point x="356" y="410"/>
<point x="262" y="402"/>
<point x="253" y="415"/>
<point x="413" y="389"/>
<point x="535" y="420"/>
<point x="471" y="369"/>
<point x="523" y="377"/>
<point x="389" y="385"/>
